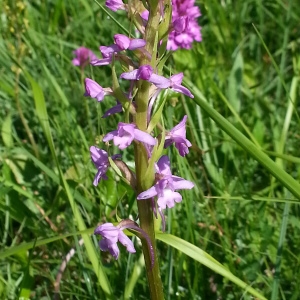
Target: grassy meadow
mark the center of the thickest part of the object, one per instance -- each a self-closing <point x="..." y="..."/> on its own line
<point x="243" y="125"/>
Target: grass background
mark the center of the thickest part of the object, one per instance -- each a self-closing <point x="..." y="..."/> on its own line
<point x="247" y="69"/>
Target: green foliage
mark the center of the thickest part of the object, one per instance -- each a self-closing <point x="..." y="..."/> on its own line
<point x="243" y="210"/>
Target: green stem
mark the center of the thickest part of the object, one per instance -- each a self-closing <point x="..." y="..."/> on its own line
<point x="141" y="163"/>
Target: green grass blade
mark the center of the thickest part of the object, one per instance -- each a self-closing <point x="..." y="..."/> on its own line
<point x="205" y="259"/>
<point x="136" y="273"/>
<point x="27" y="246"/>
<point x="91" y="251"/>
<point x="288" y="181"/>
<point x="281" y="240"/>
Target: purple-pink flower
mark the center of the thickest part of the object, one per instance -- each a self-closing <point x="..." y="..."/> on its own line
<point x="100" y="159"/>
<point x="83" y="56"/>
<point x="115" y="5"/>
<point x="110" y="236"/>
<point x="177" y="135"/>
<point x="126" y="133"/>
<point x="94" y="90"/>
<point x="166" y="186"/>
<point x="180" y="24"/>
<point x="145" y="72"/>
<point x="122" y="42"/>
<point x="188" y="32"/>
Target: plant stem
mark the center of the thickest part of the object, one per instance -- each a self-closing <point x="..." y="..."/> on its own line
<point x="141" y="164"/>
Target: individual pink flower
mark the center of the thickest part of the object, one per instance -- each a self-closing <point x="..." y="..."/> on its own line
<point x="145" y="72"/>
<point x="100" y="159"/>
<point x="177" y="135"/>
<point x="166" y="186"/>
<point x="122" y="42"/>
<point x="83" y="56"/>
<point x="110" y="236"/>
<point x="126" y="133"/>
<point x="115" y="5"/>
<point x="94" y="90"/>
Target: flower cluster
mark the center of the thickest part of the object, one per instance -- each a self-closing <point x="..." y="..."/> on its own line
<point x="186" y="28"/>
<point x="163" y="193"/>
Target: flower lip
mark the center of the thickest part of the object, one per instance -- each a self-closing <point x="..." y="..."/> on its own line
<point x="166" y="186"/>
<point x="126" y="133"/>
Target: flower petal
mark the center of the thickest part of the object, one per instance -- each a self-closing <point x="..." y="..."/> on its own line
<point x="122" y="41"/>
<point x="160" y="81"/>
<point x="115" y="5"/>
<point x="168" y="199"/>
<point x="126" y="241"/>
<point x="147" y="194"/>
<point x="110" y="136"/>
<point x="136" y="43"/>
<point x="108" y="51"/>
<point x="101" y="62"/>
<point x="93" y="89"/>
<point x="181" y="89"/>
<point x="113" y="249"/>
<point x="182" y="184"/>
<point x="144" y="137"/>
<point x="163" y="166"/>
<point x="98" y="155"/>
<point x="177" y="78"/>
<point x="116" y="109"/>
<point x="130" y="75"/>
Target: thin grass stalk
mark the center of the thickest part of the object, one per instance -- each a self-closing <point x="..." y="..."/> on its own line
<point x="285" y="218"/>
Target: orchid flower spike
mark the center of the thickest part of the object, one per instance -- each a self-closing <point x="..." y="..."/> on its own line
<point x="126" y="133"/>
<point x="100" y="159"/>
<point x="177" y="135"/>
<point x="166" y="186"/>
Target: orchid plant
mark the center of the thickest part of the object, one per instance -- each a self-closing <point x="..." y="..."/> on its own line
<point x="162" y="26"/>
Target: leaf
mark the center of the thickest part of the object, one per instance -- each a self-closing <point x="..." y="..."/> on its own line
<point x="205" y="259"/>
<point x="6" y="132"/>
<point x="235" y="82"/>
<point x="287" y="180"/>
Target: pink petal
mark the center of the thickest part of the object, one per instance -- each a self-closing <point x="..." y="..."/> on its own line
<point x="130" y="75"/>
<point x="125" y="240"/>
<point x="136" y="43"/>
<point x="110" y="136"/>
<point x="122" y="41"/>
<point x="147" y="194"/>
<point x="182" y="184"/>
<point x="144" y="137"/>
<point x="164" y="166"/>
<point x="160" y="81"/>
<point x="177" y="78"/>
